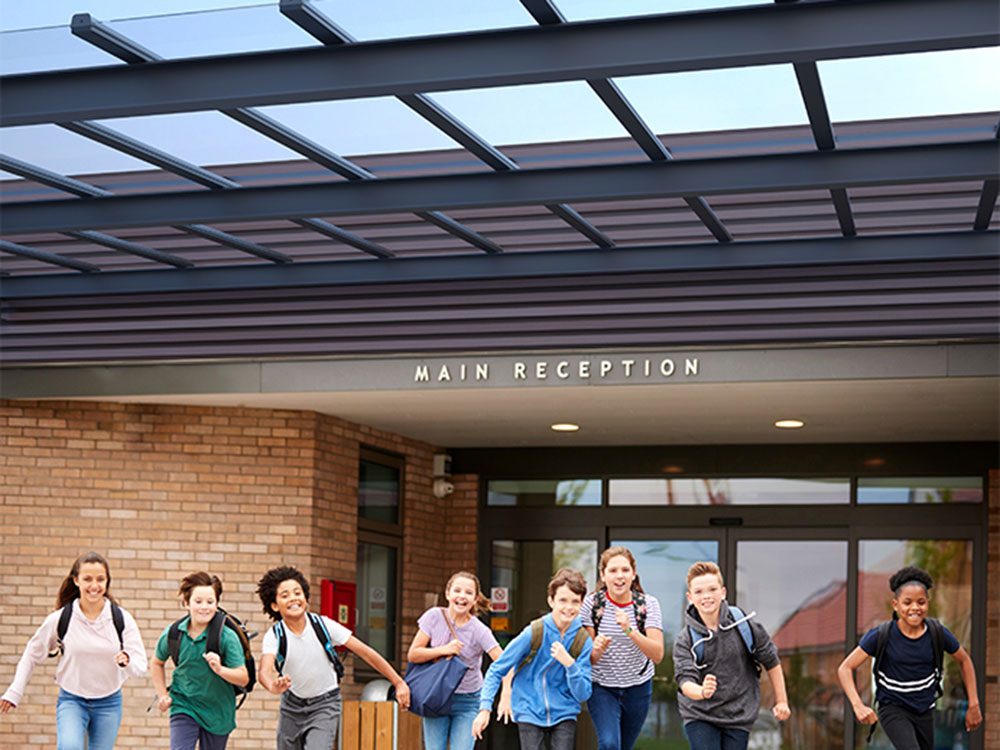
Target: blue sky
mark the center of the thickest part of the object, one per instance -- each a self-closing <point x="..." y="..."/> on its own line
<point x="891" y="86"/>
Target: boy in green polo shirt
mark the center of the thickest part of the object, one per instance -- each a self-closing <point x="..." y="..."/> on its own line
<point x="200" y="697"/>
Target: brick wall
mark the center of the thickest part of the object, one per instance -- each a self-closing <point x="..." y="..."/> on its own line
<point x="991" y="693"/>
<point x="165" y="490"/>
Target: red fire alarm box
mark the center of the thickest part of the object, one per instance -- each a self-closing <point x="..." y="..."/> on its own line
<point x="338" y="602"/>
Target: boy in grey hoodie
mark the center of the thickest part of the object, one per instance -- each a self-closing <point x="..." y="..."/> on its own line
<point x="719" y="696"/>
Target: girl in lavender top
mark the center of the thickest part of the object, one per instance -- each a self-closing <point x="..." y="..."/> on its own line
<point x="96" y="658"/>
<point x="434" y="639"/>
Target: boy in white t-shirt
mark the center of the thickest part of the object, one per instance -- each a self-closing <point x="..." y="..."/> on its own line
<point x="299" y="663"/>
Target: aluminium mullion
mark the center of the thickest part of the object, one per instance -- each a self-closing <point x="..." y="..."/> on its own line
<point x="320" y="26"/>
<point x="546" y="13"/>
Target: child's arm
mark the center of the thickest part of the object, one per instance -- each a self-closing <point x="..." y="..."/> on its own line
<point x="233" y="675"/>
<point x="601" y="643"/>
<point x="384" y="668"/>
<point x="578" y="671"/>
<point x="650" y="644"/>
<point x="781" y="710"/>
<point x="691" y="681"/>
<point x="974" y="715"/>
<point x="503" y="708"/>
<point x="159" y="675"/>
<point x="845" y="673"/>
<point x="700" y="691"/>
<point x="268" y="676"/>
<point x="420" y="650"/>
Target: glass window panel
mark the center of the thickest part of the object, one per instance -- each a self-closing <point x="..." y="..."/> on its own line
<point x="591" y="10"/>
<point x="806" y="617"/>
<point x="952" y="81"/>
<point x="378" y="492"/>
<point x="541" y="492"/>
<point x="61" y="151"/>
<point x="33" y="50"/>
<point x="748" y="491"/>
<point x="949" y="561"/>
<point x="386" y="20"/>
<point x="753" y="97"/>
<point x="920" y="490"/>
<point x="376" y="598"/>
<point x="662" y="566"/>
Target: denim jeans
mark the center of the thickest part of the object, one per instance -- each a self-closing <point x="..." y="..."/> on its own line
<point x="97" y="719"/>
<point x="185" y="733"/>
<point x="561" y="736"/>
<point x="619" y="713"/>
<point x="704" y="736"/>
<point x="454" y="731"/>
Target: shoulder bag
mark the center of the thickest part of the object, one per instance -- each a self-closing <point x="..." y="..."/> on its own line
<point x="433" y="683"/>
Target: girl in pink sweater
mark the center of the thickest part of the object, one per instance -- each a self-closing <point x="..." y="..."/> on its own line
<point x="100" y="648"/>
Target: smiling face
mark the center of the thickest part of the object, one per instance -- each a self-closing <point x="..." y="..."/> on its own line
<point x="290" y="600"/>
<point x="565" y="604"/>
<point x="202" y="605"/>
<point x="461" y="595"/>
<point x="617" y="576"/>
<point x="92" y="582"/>
<point x="706" y="593"/>
<point x="911" y="605"/>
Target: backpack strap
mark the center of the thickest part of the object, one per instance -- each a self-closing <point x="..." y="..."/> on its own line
<point x="597" y="611"/>
<point x="119" y="620"/>
<point x="746" y="633"/>
<point x="174" y="640"/>
<point x="319" y="627"/>
<point x="936" y="630"/>
<point x="213" y="642"/>
<point x="279" y="633"/>
<point x="639" y="607"/>
<point x="881" y="643"/>
<point x="537" y="631"/>
<point x="576" y="647"/>
<point x="65" y="615"/>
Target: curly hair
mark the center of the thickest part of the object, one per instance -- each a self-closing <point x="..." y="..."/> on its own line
<point x="908" y="575"/>
<point x="267" y="587"/>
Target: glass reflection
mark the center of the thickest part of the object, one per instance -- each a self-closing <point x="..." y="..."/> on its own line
<point x="746" y="491"/>
<point x="950" y="564"/>
<point x="376" y="598"/>
<point x="805" y="613"/>
<point x="541" y="492"/>
<point x="920" y="490"/>
<point x="662" y="568"/>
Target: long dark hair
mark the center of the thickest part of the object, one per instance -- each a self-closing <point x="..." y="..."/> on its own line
<point x="68" y="590"/>
<point x="615" y="552"/>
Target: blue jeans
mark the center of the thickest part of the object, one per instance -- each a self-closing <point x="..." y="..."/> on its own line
<point x="96" y="719"/>
<point x="619" y="713"/>
<point x="185" y="733"/>
<point x="704" y="736"/>
<point x="454" y="731"/>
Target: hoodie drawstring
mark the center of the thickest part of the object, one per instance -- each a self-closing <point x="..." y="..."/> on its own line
<point x="709" y="637"/>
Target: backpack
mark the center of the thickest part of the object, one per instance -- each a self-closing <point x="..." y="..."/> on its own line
<point x="537" y="631"/>
<point x="213" y="645"/>
<point x="746" y="633"/>
<point x="321" y="633"/>
<point x="67" y="614"/>
<point x="936" y="631"/>
<point x="638" y="606"/>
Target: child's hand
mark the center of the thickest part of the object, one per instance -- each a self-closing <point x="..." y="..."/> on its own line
<point x="504" y="711"/>
<point x="479" y="724"/>
<point x="621" y="617"/>
<point x="781" y="711"/>
<point x="453" y="648"/>
<point x="402" y="694"/>
<point x="561" y="655"/>
<point x="601" y="643"/>
<point x="121" y="659"/>
<point x="164" y="701"/>
<point x="280" y="685"/>
<point x="6" y="706"/>
<point x="865" y="714"/>
<point x="973" y="718"/>
<point x="709" y="686"/>
<point x="214" y="662"/>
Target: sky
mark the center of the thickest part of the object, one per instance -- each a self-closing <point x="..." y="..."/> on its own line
<point x="35" y="37"/>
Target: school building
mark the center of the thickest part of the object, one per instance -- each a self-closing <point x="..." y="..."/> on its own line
<point x="771" y="346"/>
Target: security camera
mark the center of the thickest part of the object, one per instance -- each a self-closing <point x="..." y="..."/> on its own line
<point x="443" y="488"/>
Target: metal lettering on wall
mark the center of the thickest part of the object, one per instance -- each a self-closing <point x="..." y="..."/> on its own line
<point x="566" y="370"/>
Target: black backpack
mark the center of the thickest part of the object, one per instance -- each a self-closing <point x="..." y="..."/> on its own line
<point x="66" y="614"/>
<point x="936" y="631"/>
<point x="321" y="633"/>
<point x="213" y="645"/>
<point x="638" y="607"/>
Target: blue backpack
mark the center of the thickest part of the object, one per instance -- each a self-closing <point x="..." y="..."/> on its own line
<point x="745" y="632"/>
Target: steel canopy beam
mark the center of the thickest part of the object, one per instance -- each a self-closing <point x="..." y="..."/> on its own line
<point x="802" y="252"/>
<point x="732" y="175"/>
<point x="734" y="37"/>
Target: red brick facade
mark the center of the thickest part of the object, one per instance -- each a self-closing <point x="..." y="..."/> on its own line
<point x="165" y="490"/>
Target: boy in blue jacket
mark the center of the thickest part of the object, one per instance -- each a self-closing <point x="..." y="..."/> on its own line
<point x="550" y="682"/>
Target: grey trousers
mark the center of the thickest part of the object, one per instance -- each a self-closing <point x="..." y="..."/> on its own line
<point x="308" y="723"/>
<point x="561" y="736"/>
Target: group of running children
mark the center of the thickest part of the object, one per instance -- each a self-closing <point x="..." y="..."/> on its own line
<point x="598" y="647"/>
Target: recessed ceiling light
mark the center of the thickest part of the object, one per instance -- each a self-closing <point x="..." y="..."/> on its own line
<point x="673" y="469"/>
<point x="565" y="427"/>
<point x="789" y="424"/>
<point x="877" y="461"/>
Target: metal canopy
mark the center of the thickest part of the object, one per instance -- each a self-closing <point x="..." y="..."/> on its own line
<point x="621" y="196"/>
